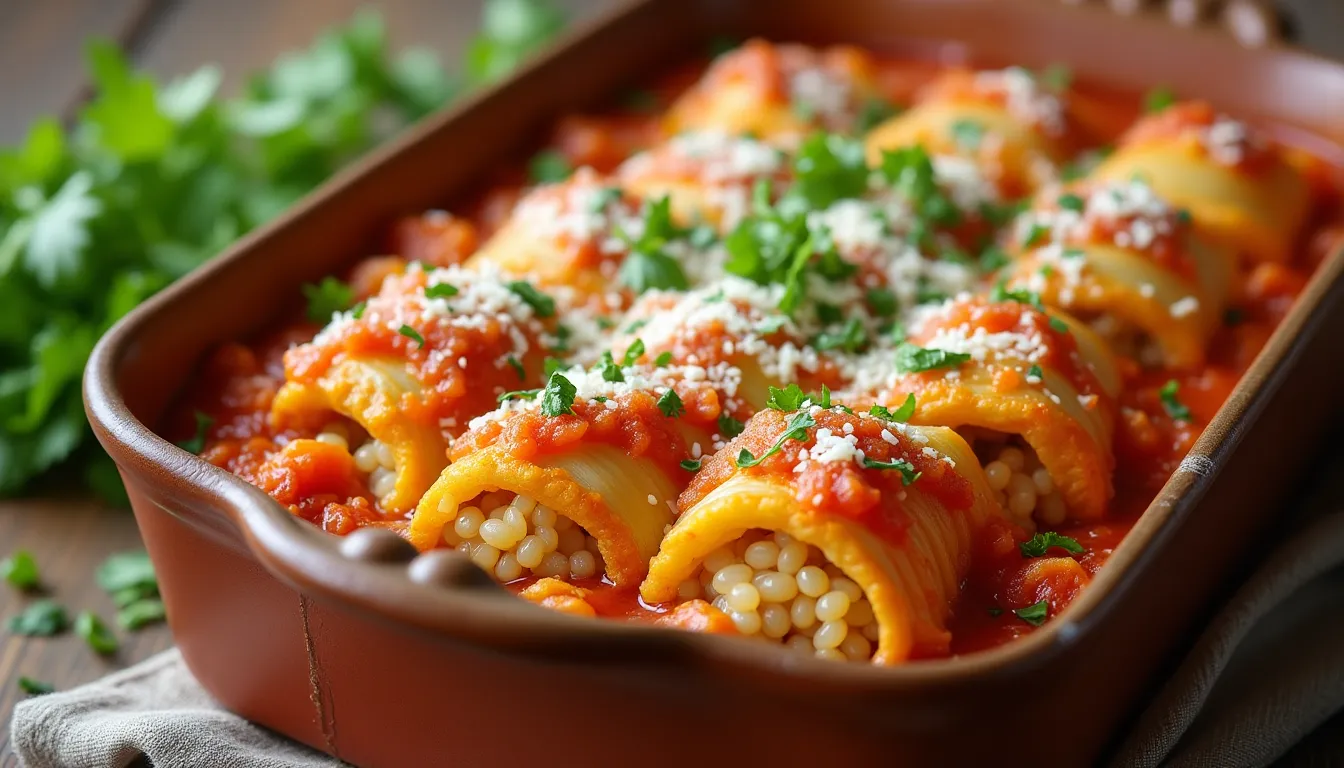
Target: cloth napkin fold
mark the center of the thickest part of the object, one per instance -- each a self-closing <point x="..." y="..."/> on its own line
<point x="1266" y="673"/>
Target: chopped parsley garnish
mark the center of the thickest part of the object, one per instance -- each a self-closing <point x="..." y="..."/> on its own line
<point x="795" y="429"/>
<point x="729" y="427"/>
<point x="35" y="687"/>
<point x="441" y="291"/>
<point x="788" y="399"/>
<point x="822" y="399"/>
<point x="701" y="237"/>
<point x="1041" y="543"/>
<point x="873" y="113"/>
<point x="851" y="338"/>
<point x="1158" y="99"/>
<point x="968" y="134"/>
<point x="413" y="335"/>
<point x="829" y="167"/>
<point x="20" y="570"/>
<point x="670" y="404"/>
<point x="610" y="370"/>
<point x="882" y="302"/>
<point x="1072" y="202"/>
<point x="1056" y="78"/>
<point x="910" y="173"/>
<point x="907" y="470"/>
<point x="1173" y="406"/>
<point x="633" y="353"/>
<point x="1035" y="372"/>
<point x="636" y="325"/>
<point x="914" y="359"/>
<point x="1001" y="292"/>
<point x="519" y="393"/>
<point x="1035" y="235"/>
<point x="327" y="298"/>
<point x="604" y="323"/>
<point x="662" y="359"/>
<point x="1034" y="614"/>
<point x="42" y="618"/>
<point x="900" y="415"/>
<point x="648" y="265"/>
<point x="517" y="368"/>
<point x="540" y="303"/>
<point x="1058" y="326"/>
<point x="558" y="396"/>
<point x="992" y="259"/>
<point x="776" y="245"/>
<point x="196" y="443"/>
<point x="129" y="578"/>
<point x="141" y="613"/>
<point x="548" y="167"/>
<point x="551" y="365"/>
<point x="95" y="633"/>
<point x="605" y="197"/>
<point x="691" y="465"/>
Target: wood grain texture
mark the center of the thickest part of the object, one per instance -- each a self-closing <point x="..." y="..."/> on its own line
<point x="41" y="53"/>
<point x="69" y="539"/>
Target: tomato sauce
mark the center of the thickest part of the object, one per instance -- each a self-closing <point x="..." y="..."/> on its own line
<point x="319" y="484"/>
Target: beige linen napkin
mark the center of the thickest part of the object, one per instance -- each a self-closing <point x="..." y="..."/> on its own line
<point x="1267" y="672"/>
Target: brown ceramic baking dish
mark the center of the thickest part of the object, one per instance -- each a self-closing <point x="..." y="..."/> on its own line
<point x="364" y="650"/>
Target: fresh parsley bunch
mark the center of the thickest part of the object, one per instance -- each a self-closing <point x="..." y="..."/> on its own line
<point x="151" y="180"/>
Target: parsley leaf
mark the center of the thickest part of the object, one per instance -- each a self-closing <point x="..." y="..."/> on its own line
<point x="648" y="264"/>
<point x="829" y="167"/>
<point x="517" y="367"/>
<point x="914" y="359"/>
<point x="520" y="393"/>
<point x="907" y="470"/>
<point x="1158" y="100"/>
<point x="795" y="429"/>
<point x="558" y="396"/>
<point x="1001" y="292"/>
<point x="141" y="613"/>
<point x="1034" y="614"/>
<point x="610" y="370"/>
<point x="909" y="171"/>
<point x="729" y="427"/>
<point x="540" y="303"/>
<point x="42" y="618"/>
<point x="196" y="443"/>
<point x="873" y="113"/>
<point x="851" y="338"/>
<point x="357" y="311"/>
<point x="900" y="415"/>
<point x="128" y="577"/>
<point x="1035" y="372"/>
<point x="549" y="167"/>
<point x="790" y="398"/>
<point x="663" y="359"/>
<point x="968" y="134"/>
<point x="35" y="687"/>
<point x="1040" y="543"/>
<point x="633" y="353"/>
<point x="94" y="632"/>
<point x="327" y="298"/>
<point x="413" y="335"/>
<point x="1171" y="403"/>
<point x="441" y="291"/>
<point x="1072" y="202"/>
<point x="691" y="465"/>
<point x="20" y="570"/>
<point x="670" y="404"/>
<point x="1058" y="326"/>
<point x="882" y="302"/>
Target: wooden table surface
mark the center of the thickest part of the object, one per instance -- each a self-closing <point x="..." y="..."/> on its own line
<point x="42" y="72"/>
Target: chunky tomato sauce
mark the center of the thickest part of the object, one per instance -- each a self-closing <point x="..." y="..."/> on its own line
<point x="318" y="481"/>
